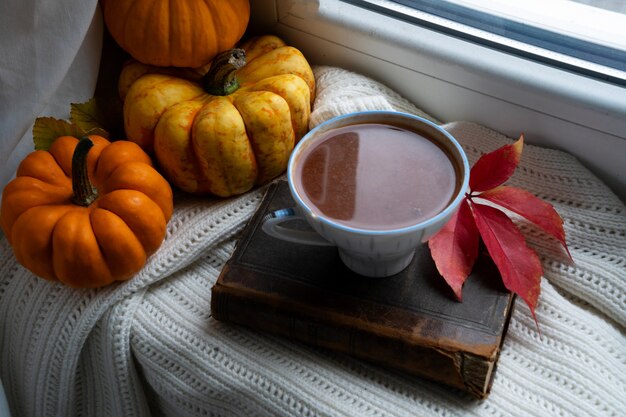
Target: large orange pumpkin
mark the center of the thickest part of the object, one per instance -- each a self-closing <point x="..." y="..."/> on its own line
<point x="86" y="213"/>
<point x="181" y="33"/>
<point x="229" y="133"/>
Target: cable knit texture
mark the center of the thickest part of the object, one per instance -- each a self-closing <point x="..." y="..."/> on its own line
<point x="150" y="347"/>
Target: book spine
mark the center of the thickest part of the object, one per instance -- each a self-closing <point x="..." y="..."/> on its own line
<point x="283" y="318"/>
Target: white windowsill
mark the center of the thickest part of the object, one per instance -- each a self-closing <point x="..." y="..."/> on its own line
<point x="453" y="79"/>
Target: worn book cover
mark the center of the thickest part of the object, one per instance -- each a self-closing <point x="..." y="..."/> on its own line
<point x="409" y="321"/>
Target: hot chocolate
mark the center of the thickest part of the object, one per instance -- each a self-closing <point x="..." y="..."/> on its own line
<point x="376" y="177"/>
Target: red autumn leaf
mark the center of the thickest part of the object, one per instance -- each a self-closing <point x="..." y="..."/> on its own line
<point x="518" y="264"/>
<point x="494" y="168"/>
<point x="455" y="248"/>
<point x="530" y="207"/>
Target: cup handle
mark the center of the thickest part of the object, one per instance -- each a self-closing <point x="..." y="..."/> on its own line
<point x="271" y="224"/>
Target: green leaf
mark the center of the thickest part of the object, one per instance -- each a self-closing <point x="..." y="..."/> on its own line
<point x="47" y="129"/>
<point x="96" y="115"/>
<point x="86" y="115"/>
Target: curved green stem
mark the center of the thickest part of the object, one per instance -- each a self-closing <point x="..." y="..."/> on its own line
<point x="221" y="79"/>
<point x="84" y="192"/>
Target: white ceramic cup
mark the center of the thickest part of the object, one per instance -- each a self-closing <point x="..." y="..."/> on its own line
<point x="372" y="253"/>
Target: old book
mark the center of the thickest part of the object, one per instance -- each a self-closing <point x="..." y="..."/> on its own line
<point x="409" y="321"/>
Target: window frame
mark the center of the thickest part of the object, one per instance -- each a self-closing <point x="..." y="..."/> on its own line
<point x="456" y="79"/>
<point x="508" y="35"/>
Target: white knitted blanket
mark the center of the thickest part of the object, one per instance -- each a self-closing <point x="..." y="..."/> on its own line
<point x="150" y="346"/>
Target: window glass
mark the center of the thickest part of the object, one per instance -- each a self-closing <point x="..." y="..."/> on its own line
<point x="586" y="36"/>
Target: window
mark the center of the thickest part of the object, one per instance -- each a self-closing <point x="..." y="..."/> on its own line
<point x="567" y="34"/>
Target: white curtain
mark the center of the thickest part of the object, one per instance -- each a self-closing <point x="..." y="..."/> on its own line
<point x="49" y="58"/>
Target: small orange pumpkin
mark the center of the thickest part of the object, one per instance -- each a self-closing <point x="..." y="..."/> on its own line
<point x="86" y="213"/>
<point x="180" y="33"/>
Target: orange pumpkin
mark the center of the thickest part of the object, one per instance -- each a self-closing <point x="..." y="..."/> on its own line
<point x="86" y="213"/>
<point x="181" y="33"/>
<point x="228" y="131"/>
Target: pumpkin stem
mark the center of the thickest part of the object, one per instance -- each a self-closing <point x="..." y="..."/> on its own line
<point x="84" y="192"/>
<point x="221" y="79"/>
